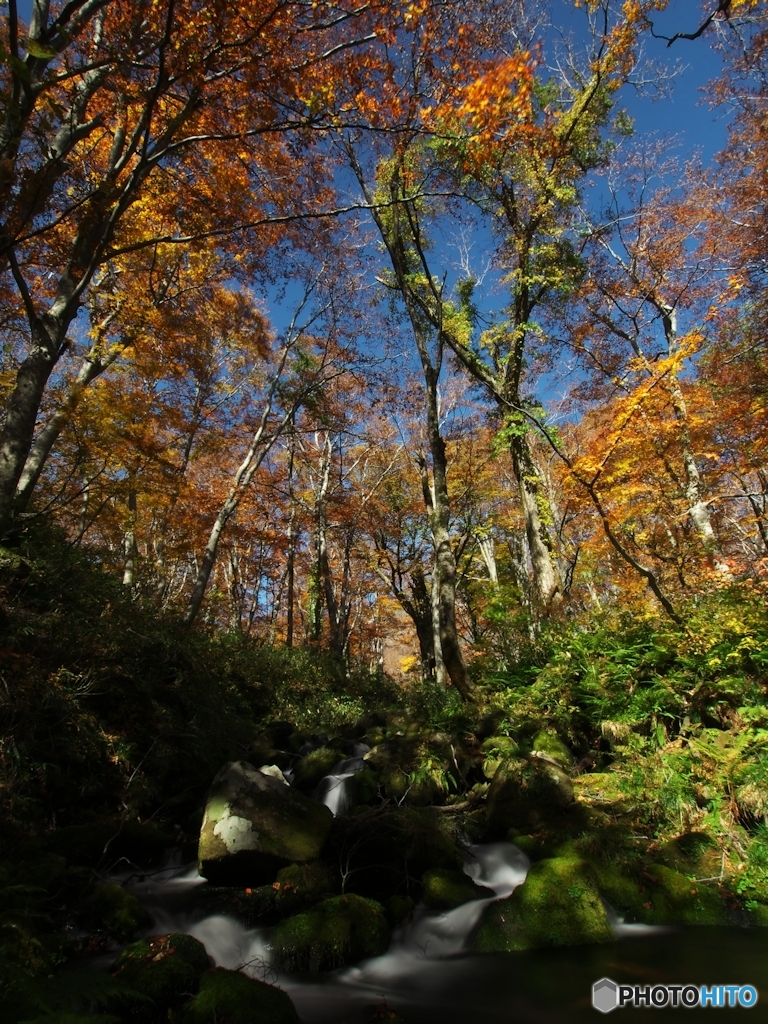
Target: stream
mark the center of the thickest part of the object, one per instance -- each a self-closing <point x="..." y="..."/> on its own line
<point x="427" y="976"/>
<point x="428" y="979"/>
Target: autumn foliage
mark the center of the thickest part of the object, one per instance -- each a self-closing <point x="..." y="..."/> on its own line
<point x="241" y="365"/>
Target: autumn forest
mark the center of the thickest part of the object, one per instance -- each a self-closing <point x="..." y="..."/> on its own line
<point x="370" y="351"/>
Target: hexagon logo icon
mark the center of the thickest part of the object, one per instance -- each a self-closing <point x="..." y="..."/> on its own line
<point x="605" y="995"/>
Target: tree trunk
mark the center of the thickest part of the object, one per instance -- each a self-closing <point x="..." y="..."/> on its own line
<point x="445" y="563"/>
<point x="546" y="578"/>
<point x="93" y="366"/>
<point x="16" y="438"/>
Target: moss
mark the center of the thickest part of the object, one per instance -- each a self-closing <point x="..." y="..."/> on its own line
<point x="694" y="853"/>
<point x="311" y="880"/>
<point x="526" y="792"/>
<point x="338" y="931"/>
<point x="229" y="997"/>
<point x="116" y="911"/>
<point x="308" y="772"/>
<point x="549" y="743"/>
<point x="167" y="968"/>
<point x="445" y="889"/>
<point x="497" y="749"/>
<point x="46" y="871"/>
<point x="623" y="891"/>
<point x="675" y="899"/>
<point x="532" y="846"/>
<point x="758" y="914"/>
<point x="558" y="905"/>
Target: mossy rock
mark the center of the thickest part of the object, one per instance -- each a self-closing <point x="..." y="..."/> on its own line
<point x="534" y="847"/>
<point x="313" y="767"/>
<point x="445" y="889"/>
<point x="167" y="968"/>
<point x="396" y="764"/>
<point x="623" y="891"/>
<point x="550" y="744"/>
<point x="301" y="884"/>
<point x="525" y="792"/>
<point x="558" y="904"/>
<point x="254" y="824"/>
<point x="116" y="911"/>
<point x="337" y="931"/>
<point x="758" y="914"/>
<point x="229" y="997"/>
<point x="497" y="749"/>
<point x="675" y="899"/>
<point x="693" y="853"/>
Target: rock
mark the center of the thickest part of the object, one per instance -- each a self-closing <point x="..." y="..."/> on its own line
<point x="550" y="744"/>
<point x="445" y="889"/>
<point x="301" y="884"/>
<point x="558" y="904"/>
<point x="274" y="772"/>
<point x="314" y="766"/>
<point x="116" y="911"/>
<point x="167" y="968"/>
<point x="337" y="931"/>
<point x="254" y="824"/>
<point x="526" y="791"/>
<point x="676" y="899"/>
<point x="495" y="750"/>
<point x="229" y="997"/>
<point x="410" y="770"/>
<point x="623" y="891"/>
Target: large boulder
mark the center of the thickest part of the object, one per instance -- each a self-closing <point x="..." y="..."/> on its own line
<point x="254" y="824"/>
<point x="558" y="904"/>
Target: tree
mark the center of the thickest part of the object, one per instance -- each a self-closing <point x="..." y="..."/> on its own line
<point x="109" y="110"/>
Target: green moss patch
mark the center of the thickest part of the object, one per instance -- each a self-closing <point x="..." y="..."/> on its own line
<point x="558" y="905"/>
<point x="676" y="899"/>
<point x="445" y="889"/>
<point x="166" y="968"/>
<point x="229" y="997"/>
<point x="308" y="772"/>
<point x="336" y="932"/>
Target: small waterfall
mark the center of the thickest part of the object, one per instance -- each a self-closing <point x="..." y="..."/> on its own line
<point x="500" y="867"/>
<point x="332" y="790"/>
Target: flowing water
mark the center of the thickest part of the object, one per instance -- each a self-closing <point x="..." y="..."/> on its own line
<point x="332" y="790"/>
<point x="428" y="978"/>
